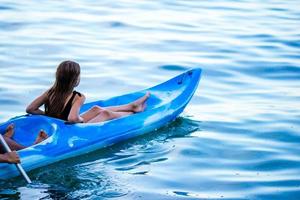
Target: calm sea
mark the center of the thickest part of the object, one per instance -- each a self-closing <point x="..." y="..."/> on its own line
<point x="239" y="138"/>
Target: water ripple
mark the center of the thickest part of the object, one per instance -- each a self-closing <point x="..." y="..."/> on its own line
<point x="237" y="139"/>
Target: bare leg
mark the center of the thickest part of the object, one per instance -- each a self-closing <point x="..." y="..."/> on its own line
<point x="10" y="130"/>
<point x="98" y="114"/>
<point x="14" y="146"/>
<point x="91" y="113"/>
<point x="41" y="137"/>
<point x="108" y="115"/>
<point x="135" y="106"/>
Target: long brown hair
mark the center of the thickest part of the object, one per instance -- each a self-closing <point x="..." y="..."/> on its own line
<point x="67" y="77"/>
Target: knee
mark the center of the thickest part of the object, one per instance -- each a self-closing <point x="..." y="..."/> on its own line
<point x="96" y="109"/>
<point x="105" y="113"/>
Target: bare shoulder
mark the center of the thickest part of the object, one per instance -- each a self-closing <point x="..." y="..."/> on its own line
<point x="80" y="97"/>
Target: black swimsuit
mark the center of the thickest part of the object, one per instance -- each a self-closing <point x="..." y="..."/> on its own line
<point x="65" y="113"/>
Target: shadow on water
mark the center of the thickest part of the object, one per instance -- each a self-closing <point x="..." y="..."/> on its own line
<point x="173" y="67"/>
<point x="2" y="8"/>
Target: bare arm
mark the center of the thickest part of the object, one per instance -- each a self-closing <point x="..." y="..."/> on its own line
<point x="74" y="116"/>
<point x="34" y="107"/>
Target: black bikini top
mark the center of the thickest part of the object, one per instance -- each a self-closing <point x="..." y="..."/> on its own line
<point x="65" y="113"/>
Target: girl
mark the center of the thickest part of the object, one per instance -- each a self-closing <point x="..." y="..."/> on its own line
<point x="63" y="102"/>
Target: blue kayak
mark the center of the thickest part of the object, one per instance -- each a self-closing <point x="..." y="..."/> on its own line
<point x="166" y="102"/>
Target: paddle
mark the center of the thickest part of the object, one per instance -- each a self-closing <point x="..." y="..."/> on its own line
<point x="19" y="166"/>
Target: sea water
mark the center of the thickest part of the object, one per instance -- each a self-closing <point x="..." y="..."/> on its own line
<point x="239" y="138"/>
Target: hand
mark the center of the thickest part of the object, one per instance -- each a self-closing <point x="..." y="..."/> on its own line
<point x="12" y="157"/>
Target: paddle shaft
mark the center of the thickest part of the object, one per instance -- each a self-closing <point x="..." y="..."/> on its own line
<point x="19" y="166"/>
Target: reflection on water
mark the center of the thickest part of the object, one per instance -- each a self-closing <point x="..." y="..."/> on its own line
<point x="35" y="191"/>
<point x="237" y="139"/>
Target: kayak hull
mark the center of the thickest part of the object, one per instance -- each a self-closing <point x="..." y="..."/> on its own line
<point x="166" y="102"/>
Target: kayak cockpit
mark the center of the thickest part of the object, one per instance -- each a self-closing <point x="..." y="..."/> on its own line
<point x="26" y="128"/>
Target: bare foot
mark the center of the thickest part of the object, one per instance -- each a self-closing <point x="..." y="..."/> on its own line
<point x="10" y="130"/>
<point x="41" y="137"/>
<point x="140" y="105"/>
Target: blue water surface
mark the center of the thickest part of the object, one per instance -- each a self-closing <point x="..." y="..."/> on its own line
<point x="239" y="138"/>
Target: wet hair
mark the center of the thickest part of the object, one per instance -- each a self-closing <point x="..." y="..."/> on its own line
<point x="67" y="77"/>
